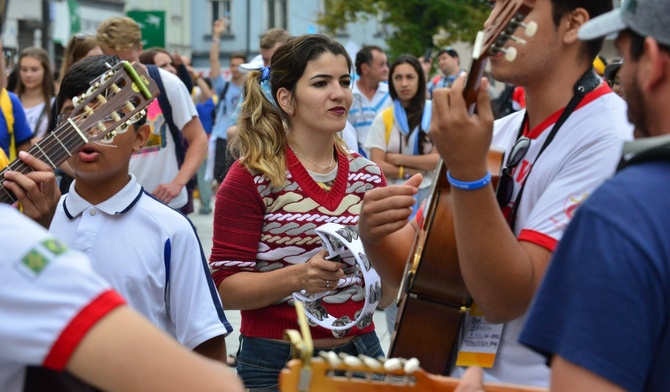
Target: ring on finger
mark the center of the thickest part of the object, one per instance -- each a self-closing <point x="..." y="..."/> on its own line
<point x="327" y="283"/>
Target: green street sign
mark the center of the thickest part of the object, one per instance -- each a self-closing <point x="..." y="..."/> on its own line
<point x="75" y="16"/>
<point x="152" y="26"/>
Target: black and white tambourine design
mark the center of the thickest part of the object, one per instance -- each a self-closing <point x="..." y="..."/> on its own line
<point x="342" y="242"/>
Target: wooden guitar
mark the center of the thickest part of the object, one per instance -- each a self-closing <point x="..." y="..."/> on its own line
<point x="433" y="297"/>
<point x="321" y="375"/>
<point x="330" y="372"/>
<point x="112" y="103"/>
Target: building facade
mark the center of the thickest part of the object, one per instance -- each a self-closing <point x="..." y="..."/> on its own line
<point x="250" y="18"/>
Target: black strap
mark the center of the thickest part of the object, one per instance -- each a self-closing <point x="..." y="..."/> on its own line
<point x="222" y="98"/>
<point x="166" y="108"/>
<point x="586" y="83"/>
<point x="39" y="119"/>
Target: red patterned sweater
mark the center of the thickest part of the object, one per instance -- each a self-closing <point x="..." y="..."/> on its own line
<point x="258" y="227"/>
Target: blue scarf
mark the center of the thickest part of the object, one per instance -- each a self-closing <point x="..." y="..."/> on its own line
<point x="401" y="120"/>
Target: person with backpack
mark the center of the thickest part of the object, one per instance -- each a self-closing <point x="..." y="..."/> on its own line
<point x="398" y="139"/>
<point x="163" y="166"/>
<point x="15" y="133"/>
<point x="228" y="92"/>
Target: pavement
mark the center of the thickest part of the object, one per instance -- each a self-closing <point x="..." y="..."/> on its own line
<point x="203" y="225"/>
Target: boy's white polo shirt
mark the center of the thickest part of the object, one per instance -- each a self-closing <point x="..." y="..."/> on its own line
<point x="151" y="255"/>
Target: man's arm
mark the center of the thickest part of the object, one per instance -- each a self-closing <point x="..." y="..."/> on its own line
<point x="196" y="137"/>
<point x="214" y="62"/>
<point x="195" y="134"/>
<point x="500" y="272"/>
<point x="143" y="358"/>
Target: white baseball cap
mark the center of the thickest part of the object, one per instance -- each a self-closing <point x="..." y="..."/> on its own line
<point x="645" y="17"/>
<point x="255" y="64"/>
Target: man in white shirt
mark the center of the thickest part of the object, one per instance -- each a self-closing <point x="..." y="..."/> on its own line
<point x="371" y="92"/>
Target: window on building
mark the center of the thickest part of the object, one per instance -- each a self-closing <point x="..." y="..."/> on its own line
<point x="221" y="9"/>
<point x="276" y="12"/>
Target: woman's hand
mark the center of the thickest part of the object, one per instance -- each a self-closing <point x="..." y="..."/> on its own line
<point x="320" y="274"/>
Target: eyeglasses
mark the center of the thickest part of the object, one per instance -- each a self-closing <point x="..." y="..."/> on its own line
<point x="506" y="183"/>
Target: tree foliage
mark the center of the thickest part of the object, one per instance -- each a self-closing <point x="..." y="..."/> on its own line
<point x="412" y="23"/>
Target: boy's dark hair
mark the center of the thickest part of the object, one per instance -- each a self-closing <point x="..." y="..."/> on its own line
<point x="594" y="7"/>
<point x="77" y="79"/>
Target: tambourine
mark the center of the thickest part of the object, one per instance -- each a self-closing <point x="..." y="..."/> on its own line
<point x="343" y="242"/>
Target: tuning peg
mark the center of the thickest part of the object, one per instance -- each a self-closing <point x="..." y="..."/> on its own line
<point x="352" y="361"/>
<point x="530" y="28"/>
<point x="510" y="53"/>
<point x="518" y="40"/>
<point x="411" y="366"/>
<point x="393" y="364"/>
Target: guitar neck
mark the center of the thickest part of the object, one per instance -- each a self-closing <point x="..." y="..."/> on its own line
<point x="54" y="149"/>
<point x="474" y="79"/>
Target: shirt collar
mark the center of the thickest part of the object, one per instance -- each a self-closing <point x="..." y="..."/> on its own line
<point x="122" y="201"/>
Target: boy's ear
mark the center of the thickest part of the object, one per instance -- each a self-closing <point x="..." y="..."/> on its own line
<point x="141" y="136"/>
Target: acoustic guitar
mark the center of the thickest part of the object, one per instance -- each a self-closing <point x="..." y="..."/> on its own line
<point x="433" y="298"/>
<point x="330" y="372"/>
<point x="112" y="103"/>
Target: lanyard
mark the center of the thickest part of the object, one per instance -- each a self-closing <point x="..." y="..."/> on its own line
<point x="584" y="85"/>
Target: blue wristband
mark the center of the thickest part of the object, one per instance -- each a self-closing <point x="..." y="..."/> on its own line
<point x="469" y="186"/>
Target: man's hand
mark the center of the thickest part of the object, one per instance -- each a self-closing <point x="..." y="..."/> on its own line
<point x="462" y="140"/>
<point x="472" y="381"/>
<point x="385" y="210"/>
<point x="219" y="27"/>
<point x="167" y="192"/>
<point x="37" y="191"/>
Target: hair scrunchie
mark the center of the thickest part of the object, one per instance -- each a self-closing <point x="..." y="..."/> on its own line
<point x="265" y="74"/>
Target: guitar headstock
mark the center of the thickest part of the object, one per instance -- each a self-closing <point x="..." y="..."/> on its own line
<point x="115" y="100"/>
<point x="332" y="372"/>
<point x="506" y="17"/>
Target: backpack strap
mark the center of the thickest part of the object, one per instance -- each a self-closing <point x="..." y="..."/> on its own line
<point x="166" y="108"/>
<point x="387" y="116"/>
<point x="8" y="112"/>
<point x="222" y="99"/>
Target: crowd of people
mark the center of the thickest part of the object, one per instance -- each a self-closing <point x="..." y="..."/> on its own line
<point x="292" y="140"/>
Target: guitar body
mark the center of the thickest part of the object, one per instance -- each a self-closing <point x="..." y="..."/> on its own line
<point x="433" y="296"/>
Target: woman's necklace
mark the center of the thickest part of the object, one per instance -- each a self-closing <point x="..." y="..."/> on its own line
<point x="322" y="167"/>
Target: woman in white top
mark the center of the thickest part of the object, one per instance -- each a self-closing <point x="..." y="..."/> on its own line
<point x="35" y="88"/>
<point x="398" y="140"/>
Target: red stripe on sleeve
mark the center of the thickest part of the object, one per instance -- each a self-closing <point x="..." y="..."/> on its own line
<point x="538" y="238"/>
<point x="74" y="332"/>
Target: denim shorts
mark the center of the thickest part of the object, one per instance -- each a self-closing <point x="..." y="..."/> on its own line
<point x="259" y="361"/>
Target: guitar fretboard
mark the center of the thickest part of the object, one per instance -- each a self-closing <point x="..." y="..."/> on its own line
<point x="54" y="149"/>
